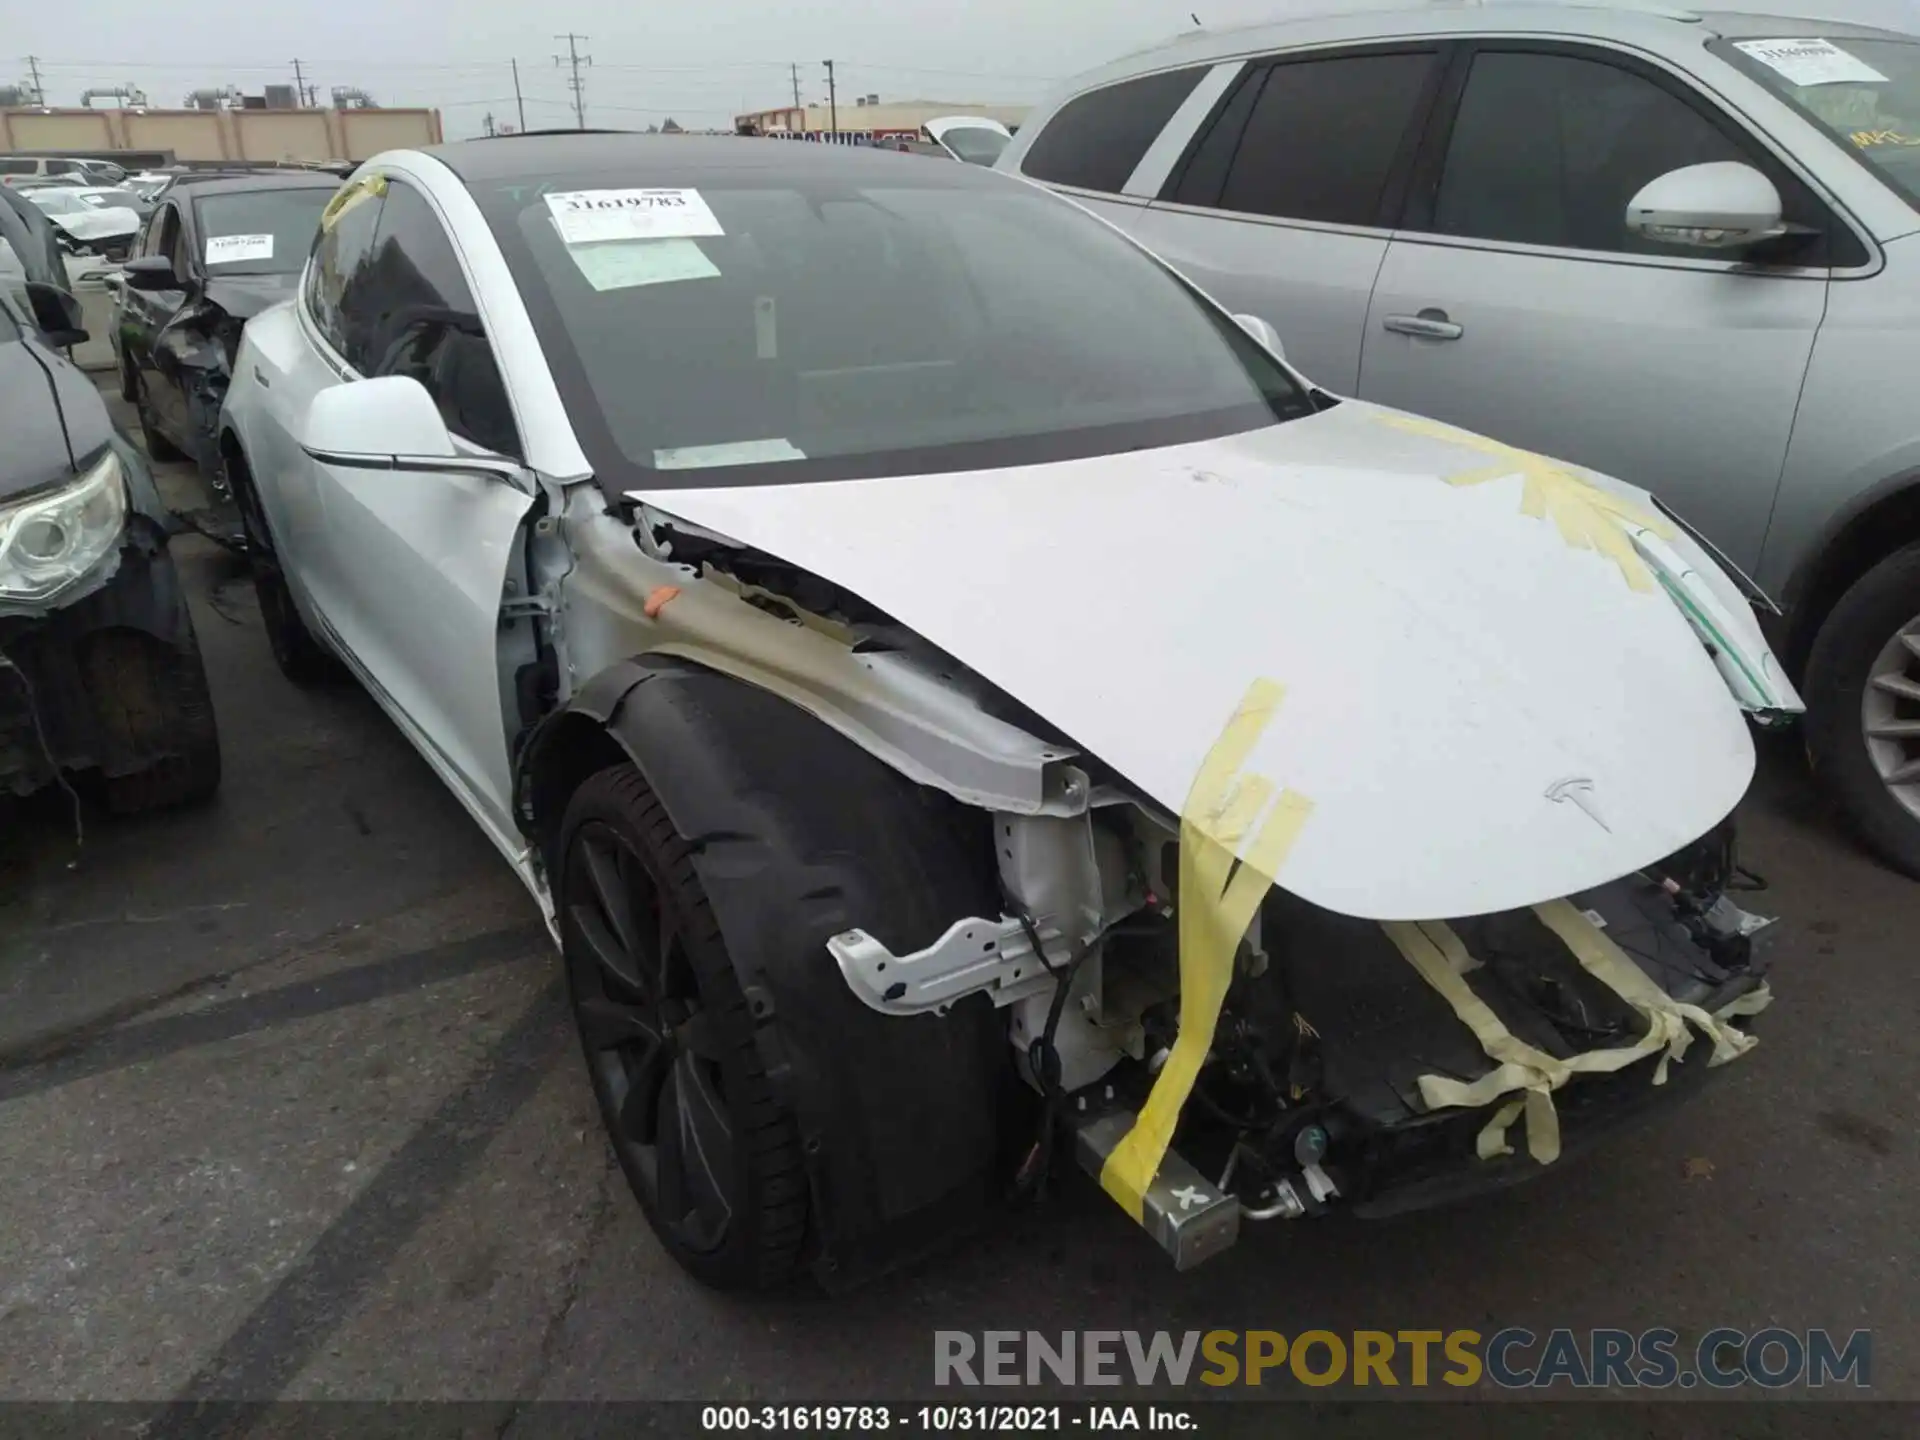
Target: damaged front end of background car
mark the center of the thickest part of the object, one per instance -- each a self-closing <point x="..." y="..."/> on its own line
<point x="100" y="671"/>
<point x="1213" y="1048"/>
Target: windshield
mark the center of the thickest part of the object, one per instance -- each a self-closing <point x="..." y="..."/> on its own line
<point x="56" y="201"/>
<point x="836" y="331"/>
<point x="259" y="232"/>
<point x="975" y="144"/>
<point x="103" y="199"/>
<point x="1865" y="93"/>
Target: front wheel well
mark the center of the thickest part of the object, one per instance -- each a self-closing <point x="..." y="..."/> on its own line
<point x="563" y="753"/>
<point x="1885" y="527"/>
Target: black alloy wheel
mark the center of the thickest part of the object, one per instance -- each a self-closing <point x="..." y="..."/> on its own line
<point x="669" y="1043"/>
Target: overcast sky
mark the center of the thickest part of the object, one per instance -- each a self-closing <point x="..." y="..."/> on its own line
<point x="700" y="62"/>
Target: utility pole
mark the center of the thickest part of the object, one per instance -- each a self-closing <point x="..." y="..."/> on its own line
<point x="518" y="103"/>
<point x="487" y="121"/>
<point x="574" y="57"/>
<point x="39" y="95"/>
<point x="299" y="85"/>
<point x="795" y="69"/>
<point x="833" y="103"/>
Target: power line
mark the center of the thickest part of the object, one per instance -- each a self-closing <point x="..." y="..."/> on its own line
<point x="578" y="85"/>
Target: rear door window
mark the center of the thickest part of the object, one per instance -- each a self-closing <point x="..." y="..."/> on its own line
<point x="1097" y="139"/>
<point x="1319" y="141"/>
<point x="336" y="273"/>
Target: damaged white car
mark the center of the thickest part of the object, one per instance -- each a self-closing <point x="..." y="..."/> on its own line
<point x="963" y="702"/>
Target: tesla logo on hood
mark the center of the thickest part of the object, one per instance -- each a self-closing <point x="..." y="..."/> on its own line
<point x="1579" y="790"/>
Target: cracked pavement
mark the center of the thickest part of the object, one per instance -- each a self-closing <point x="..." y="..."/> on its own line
<point x="289" y="1107"/>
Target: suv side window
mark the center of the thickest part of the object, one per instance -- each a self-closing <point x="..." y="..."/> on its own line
<point x="336" y="270"/>
<point x="1317" y="140"/>
<point x="1096" y="139"/>
<point x="423" y="322"/>
<point x="1547" y="149"/>
<point x="158" y="239"/>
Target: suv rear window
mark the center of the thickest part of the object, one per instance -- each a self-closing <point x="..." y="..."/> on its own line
<point x="1095" y="141"/>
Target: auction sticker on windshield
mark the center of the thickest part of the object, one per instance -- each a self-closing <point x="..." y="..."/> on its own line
<point x="227" y="249"/>
<point x="584" y="216"/>
<point x="1811" y="62"/>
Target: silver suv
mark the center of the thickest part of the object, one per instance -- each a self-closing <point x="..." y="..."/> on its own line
<point x="1680" y="248"/>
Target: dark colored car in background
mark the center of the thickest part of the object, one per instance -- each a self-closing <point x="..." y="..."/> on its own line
<point x="214" y="253"/>
<point x="100" y="672"/>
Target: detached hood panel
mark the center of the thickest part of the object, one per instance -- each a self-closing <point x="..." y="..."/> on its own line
<point x="1482" y="715"/>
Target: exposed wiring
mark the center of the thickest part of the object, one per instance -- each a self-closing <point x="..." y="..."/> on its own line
<point x="46" y="748"/>
<point x="1044" y="1058"/>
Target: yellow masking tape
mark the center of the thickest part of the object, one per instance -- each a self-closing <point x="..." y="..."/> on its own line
<point x="349" y="196"/>
<point x="1217" y="903"/>
<point x="1436" y="952"/>
<point x="1609" y="964"/>
<point x="1587" y="517"/>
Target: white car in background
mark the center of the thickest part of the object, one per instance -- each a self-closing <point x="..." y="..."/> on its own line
<point x="87" y="227"/>
<point x="975" y="139"/>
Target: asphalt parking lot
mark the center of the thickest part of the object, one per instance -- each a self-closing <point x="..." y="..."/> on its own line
<point x="289" y="1108"/>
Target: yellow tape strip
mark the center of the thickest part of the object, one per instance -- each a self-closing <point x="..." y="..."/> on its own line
<point x="1608" y="964"/>
<point x="1217" y="902"/>
<point x="1436" y="952"/>
<point x="1587" y="517"/>
<point x="348" y="196"/>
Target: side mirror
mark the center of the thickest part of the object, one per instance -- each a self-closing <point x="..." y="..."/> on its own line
<point x="1262" y="331"/>
<point x="151" y="272"/>
<point x="57" y="314"/>
<point x="1721" y="206"/>
<point x="375" y="423"/>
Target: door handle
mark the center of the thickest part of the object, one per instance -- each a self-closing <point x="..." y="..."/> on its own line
<point x="260" y="376"/>
<point x="1427" y="325"/>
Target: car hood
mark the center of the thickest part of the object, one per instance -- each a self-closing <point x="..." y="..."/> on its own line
<point x="245" y="296"/>
<point x="99" y="224"/>
<point x="1482" y="713"/>
<point x="35" y="453"/>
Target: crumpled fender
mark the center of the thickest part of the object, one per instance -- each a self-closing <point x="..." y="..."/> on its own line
<point x="897" y="1116"/>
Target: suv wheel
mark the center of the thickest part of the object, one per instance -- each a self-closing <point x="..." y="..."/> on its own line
<point x="153" y="697"/>
<point x="1863" y="702"/>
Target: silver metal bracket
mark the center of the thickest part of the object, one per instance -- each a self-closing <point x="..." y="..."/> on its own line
<point x="1190" y="1217"/>
<point x="514" y="607"/>
<point x="991" y="956"/>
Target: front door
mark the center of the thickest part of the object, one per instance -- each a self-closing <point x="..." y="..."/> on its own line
<point x="408" y="567"/>
<point x="1515" y="302"/>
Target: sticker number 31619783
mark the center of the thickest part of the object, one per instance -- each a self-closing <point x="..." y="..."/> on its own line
<point x="585" y="216"/>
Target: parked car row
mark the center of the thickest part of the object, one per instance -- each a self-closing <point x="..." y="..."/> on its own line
<point x="1680" y="248"/>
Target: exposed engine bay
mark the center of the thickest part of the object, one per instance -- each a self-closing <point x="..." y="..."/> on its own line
<point x="1340" y="1074"/>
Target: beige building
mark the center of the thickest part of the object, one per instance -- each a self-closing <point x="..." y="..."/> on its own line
<point x="860" y="120"/>
<point x="266" y="135"/>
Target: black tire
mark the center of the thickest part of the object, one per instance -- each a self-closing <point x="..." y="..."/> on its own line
<point x="158" y="446"/>
<point x="1839" y="670"/>
<point x="658" y="1006"/>
<point x="149" y="698"/>
<point x="301" y="658"/>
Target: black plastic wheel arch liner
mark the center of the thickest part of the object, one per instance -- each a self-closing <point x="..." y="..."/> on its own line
<point x="798" y="834"/>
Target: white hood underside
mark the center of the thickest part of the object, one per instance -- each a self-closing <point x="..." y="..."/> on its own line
<point x="1447" y="659"/>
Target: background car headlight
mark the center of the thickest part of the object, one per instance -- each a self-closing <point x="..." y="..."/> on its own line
<point x="51" y="540"/>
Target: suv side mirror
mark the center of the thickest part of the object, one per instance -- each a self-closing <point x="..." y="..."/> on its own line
<point x="1263" y="331"/>
<point x="378" y="423"/>
<point x="1724" y="205"/>
<point x="151" y="272"/>
<point x="57" y="314"/>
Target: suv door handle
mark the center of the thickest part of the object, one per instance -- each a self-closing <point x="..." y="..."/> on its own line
<point x="1428" y="325"/>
